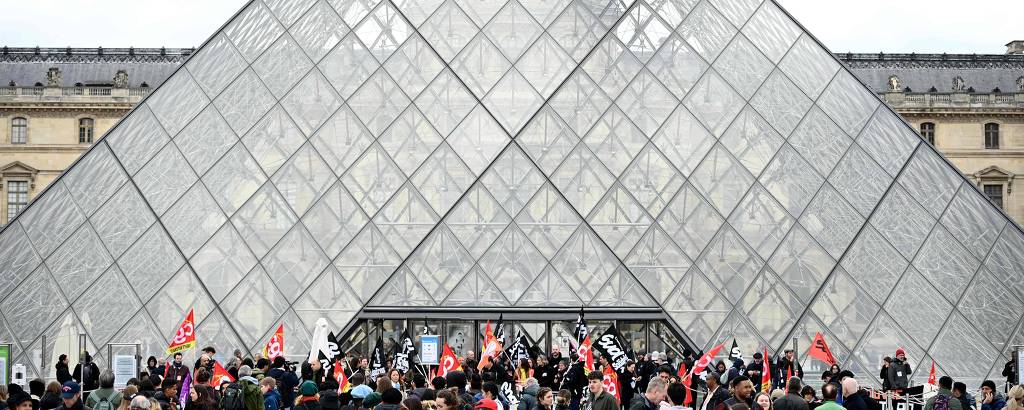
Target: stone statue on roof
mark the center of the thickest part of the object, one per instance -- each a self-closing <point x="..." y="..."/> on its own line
<point x="53" y="77"/>
<point x="1020" y="83"/>
<point x="121" y="79"/>
<point x="959" y="84"/>
<point x="894" y="84"/>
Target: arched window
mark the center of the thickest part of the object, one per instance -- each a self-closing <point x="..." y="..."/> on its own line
<point x="85" y="129"/>
<point x="928" y="132"/>
<point x="19" y="131"/>
<point x="991" y="136"/>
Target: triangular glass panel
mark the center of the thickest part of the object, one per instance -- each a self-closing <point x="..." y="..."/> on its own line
<point x="658" y="263"/>
<point x="844" y="308"/>
<point x="17" y="261"/>
<point x="623" y="290"/>
<point x="512" y="29"/>
<point x="513" y="179"/>
<point x="513" y="101"/>
<point x="446" y="102"/>
<point x="548" y="220"/>
<point x="442" y="179"/>
<point x="383" y="31"/>
<point x="335" y="220"/>
<point x="295" y="262"/>
<point x="585" y="263"/>
<point x="545" y="65"/>
<point x="547" y="139"/>
<point x="549" y="290"/>
<point x="330" y="296"/>
<point x="367" y="261"/>
<point x="619" y="220"/>
<point x="439" y="263"/>
<point x="348" y="65"/>
<point x="615" y="140"/>
<point x="512" y="262"/>
<point x="222" y="262"/>
<point x="402" y="289"/>
<point x="475" y="290"/>
<point x="254" y="305"/>
<point x="406" y="220"/>
<point x="477" y="220"/>
<point x="414" y="65"/>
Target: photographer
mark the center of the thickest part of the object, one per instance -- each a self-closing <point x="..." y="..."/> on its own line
<point x="284" y="374"/>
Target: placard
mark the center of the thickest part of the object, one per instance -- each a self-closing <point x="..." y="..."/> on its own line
<point x="1020" y="361"/>
<point x="430" y="345"/>
<point x="124" y="369"/>
<point x="5" y="362"/>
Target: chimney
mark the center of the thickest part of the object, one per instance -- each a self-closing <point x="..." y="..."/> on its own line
<point x="1015" y="47"/>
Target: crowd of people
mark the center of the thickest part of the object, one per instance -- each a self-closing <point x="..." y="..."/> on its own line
<point x="543" y="382"/>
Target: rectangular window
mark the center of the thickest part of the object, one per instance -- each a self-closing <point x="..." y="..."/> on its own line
<point x="19" y="131"/>
<point x="928" y="132"/>
<point x="85" y="127"/>
<point x="991" y="136"/>
<point x="995" y="194"/>
<point x="17" y="198"/>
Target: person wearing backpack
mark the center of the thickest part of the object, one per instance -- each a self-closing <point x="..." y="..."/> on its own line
<point x="944" y="400"/>
<point x="243" y="394"/>
<point x="106" y="397"/>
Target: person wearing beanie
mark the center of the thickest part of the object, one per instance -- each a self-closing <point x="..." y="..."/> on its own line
<point x="372" y="400"/>
<point x="21" y="401"/>
<point x="991" y="399"/>
<point x="899" y="371"/>
<point x="967" y="401"/>
<point x="945" y="395"/>
<point x="309" y="397"/>
<point x="792" y="400"/>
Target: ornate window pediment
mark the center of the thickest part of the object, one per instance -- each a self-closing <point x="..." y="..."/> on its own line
<point x="19" y="170"/>
<point x="995" y="174"/>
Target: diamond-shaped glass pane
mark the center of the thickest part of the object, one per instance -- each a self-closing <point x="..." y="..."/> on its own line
<point x="677" y="65"/>
<point x="918" y="307"/>
<point x="442" y="179"/>
<point x="273" y="140"/>
<point x="244" y="102"/>
<point x="234" y="179"/>
<point x="860" y="180"/>
<point x="973" y="220"/>
<point x="513" y="101"/>
<point x="761" y="221"/>
<point x="801" y="263"/>
<point x="216" y="65"/>
<point x="448" y="30"/>
<point x="743" y="66"/>
<point x="480" y="65"/>
<point x="548" y="220"/>
<point x="874" y="264"/>
<point x="690" y="220"/>
<point x="295" y="262"/>
<point x="254" y="305"/>
<point x="772" y="31"/>
<point x="378" y="102"/>
<point x="781" y="103"/>
<point x="284" y="64"/>
<point x="771" y="307"/>
<point x="615" y="140"/>
<point x="94" y="179"/>
<point x="946" y="264"/>
<point x="150" y="261"/>
<point x="194" y="219"/>
<point x="512" y="30"/>
<point x="318" y="30"/>
<point x="577" y="30"/>
<point x="303" y="179"/>
<point x="79" y="261"/>
<point x="752" y="140"/>
<point x="165" y="179"/>
<point x="414" y="65"/>
<point x="585" y="263"/>
<point x="478" y="140"/>
<point x="707" y="31"/>
<point x="512" y="263"/>
<point x="311" y="102"/>
<point x="264" y="219"/>
<point x="205" y="140"/>
<point x="347" y="65"/>
<point x="545" y="65"/>
<point x="831" y="221"/>
<point x="714" y="102"/>
<point x="582" y="179"/>
<point x="341" y="140"/>
<point x="730" y="264"/>
<point x="722" y="179"/>
<point x="383" y="31"/>
<point x="791" y="180"/>
<point x="848" y="102"/>
<point x="513" y="179"/>
<point x="406" y="220"/>
<point x="477" y="220"/>
<point x="658" y="263"/>
<point x="930" y="180"/>
<point x="652" y="180"/>
<point x="106" y="306"/>
<point x="902" y="221"/>
<point x="334" y="220"/>
<point x="619" y="220"/>
<point x="811" y="64"/>
<point x="222" y="262"/>
<point x="119" y="223"/>
<point x="820" y="141"/>
<point x="373" y="179"/>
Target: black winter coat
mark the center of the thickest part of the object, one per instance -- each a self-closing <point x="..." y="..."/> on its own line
<point x="791" y="402"/>
<point x="63" y="375"/>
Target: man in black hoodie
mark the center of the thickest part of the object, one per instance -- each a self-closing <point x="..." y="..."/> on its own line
<point x="167" y="397"/>
<point x="286" y="380"/>
<point x="87" y="374"/>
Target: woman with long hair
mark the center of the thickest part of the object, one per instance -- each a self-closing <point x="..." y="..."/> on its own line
<point x="203" y="398"/>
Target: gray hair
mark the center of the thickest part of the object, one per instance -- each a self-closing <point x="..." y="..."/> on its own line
<point x="532" y="381"/>
<point x="140" y="402"/>
<point x="656" y="384"/>
<point x="107" y="379"/>
<point x="244" y="371"/>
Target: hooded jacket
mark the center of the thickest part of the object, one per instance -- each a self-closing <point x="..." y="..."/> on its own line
<point x="899" y="374"/>
<point x="528" y="401"/>
<point x="272" y="400"/>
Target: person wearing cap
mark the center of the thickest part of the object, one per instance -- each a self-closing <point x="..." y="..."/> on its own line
<point x="899" y="371"/>
<point x="21" y="401"/>
<point x="598" y="397"/>
<point x="71" y="397"/>
<point x="309" y="397"/>
<point x="486" y="404"/>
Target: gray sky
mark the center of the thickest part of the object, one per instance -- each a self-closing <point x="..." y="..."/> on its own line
<point x="923" y="26"/>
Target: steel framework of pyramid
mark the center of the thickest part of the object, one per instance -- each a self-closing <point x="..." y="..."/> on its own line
<point x="706" y="158"/>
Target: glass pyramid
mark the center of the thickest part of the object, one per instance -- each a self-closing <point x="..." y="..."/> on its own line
<point x="709" y="159"/>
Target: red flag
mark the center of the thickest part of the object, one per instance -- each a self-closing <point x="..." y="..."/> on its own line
<point x="220" y="375"/>
<point x="932" y="380"/>
<point x="275" y="347"/>
<point x="586" y="354"/>
<point x="448" y="361"/>
<point x="341" y="377"/>
<point x="185" y="337"/>
<point x="819" y="350"/>
<point x="698" y="368"/>
<point x="766" y="374"/>
<point x="685" y="378"/>
<point x="611" y="383"/>
<point x="491" y="347"/>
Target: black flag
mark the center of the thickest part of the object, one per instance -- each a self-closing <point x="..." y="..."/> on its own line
<point x="519" y="349"/>
<point x="580" y="332"/>
<point x="499" y="330"/>
<point x="329" y="353"/>
<point x="735" y="352"/>
<point x="612" y="345"/>
<point x="404" y="353"/>
<point x="377" y="365"/>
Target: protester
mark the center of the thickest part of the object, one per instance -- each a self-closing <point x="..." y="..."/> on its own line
<point x="811" y="397"/>
<point x="829" y="393"/>
<point x="104" y="398"/>
<point x="716" y="394"/>
<point x="202" y="397"/>
<point x="51" y="396"/>
<point x="899" y="371"/>
<point x="528" y="396"/>
<point x="545" y="399"/>
<point x="655" y="394"/>
<point x="853" y="399"/>
<point x="309" y="397"/>
<point x="676" y="396"/>
<point x="598" y="398"/>
<point x="991" y="399"/>
<point x="786" y="367"/>
<point x="944" y="400"/>
<point x="412" y="403"/>
<point x="563" y="400"/>
<point x="1015" y="398"/>
<point x="966" y="399"/>
<point x="271" y="397"/>
<point x="71" y="397"/>
<point x="177" y="371"/>
<point x="742" y="393"/>
<point x="87" y="374"/>
<point x="140" y="402"/>
<point x="763" y="401"/>
<point x="63" y="374"/>
<point x="446" y="400"/>
<point x="792" y="400"/>
<point x="167" y="397"/>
